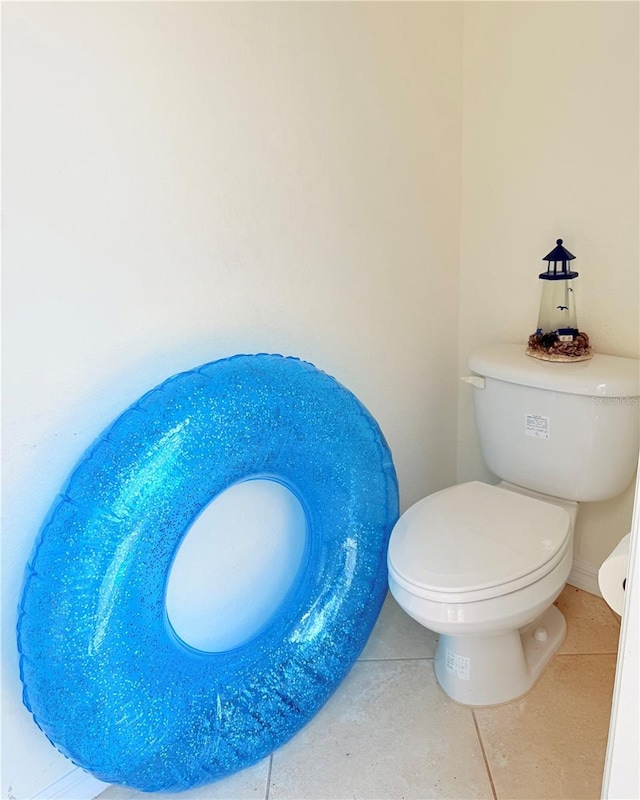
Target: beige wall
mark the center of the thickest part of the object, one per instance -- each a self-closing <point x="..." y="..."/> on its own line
<point x="185" y="181"/>
<point x="550" y="149"/>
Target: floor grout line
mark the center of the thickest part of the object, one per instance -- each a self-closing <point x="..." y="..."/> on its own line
<point x="579" y="655"/>
<point x="484" y="755"/>
<point x="268" y="791"/>
<point x="389" y="660"/>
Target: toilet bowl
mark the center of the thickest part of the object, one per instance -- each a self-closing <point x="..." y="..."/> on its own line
<point x="481" y="565"/>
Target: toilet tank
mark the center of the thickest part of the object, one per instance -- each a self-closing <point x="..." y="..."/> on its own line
<point x="570" y="430"/>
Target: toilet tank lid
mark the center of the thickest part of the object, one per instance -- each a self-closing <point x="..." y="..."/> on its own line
<point x="600" y="376"/>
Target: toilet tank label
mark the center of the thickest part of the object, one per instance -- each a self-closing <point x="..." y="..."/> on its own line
<point x="536" y="425"/>
<point x="458" y="665"/>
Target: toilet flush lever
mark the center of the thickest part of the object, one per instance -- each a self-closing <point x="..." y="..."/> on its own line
<point x="474" y="380"/>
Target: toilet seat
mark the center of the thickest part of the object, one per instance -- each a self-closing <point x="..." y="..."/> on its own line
<point x="475" y="541"/>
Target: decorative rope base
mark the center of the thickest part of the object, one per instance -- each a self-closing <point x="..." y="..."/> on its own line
<point x="544" y="356"/>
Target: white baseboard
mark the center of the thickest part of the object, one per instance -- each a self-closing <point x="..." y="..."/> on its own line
<point x="75" y="785"/>
<point x="584" y="576"/>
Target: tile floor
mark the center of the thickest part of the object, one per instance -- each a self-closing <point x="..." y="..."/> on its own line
<point x="389" y="732"/>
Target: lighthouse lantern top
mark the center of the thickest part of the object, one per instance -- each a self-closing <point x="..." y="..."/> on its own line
<point x="558" y="256"/>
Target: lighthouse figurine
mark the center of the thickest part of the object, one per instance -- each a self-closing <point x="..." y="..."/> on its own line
<point x="557" y="337"/>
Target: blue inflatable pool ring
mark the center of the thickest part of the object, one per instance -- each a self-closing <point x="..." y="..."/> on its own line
<point x="105" y="676"/>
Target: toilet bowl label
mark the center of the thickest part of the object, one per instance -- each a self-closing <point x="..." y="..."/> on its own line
<point x="458" y="665"/>
<point x="536" y="425"/>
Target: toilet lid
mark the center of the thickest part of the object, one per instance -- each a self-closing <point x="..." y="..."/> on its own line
<point x="475" y="536"/>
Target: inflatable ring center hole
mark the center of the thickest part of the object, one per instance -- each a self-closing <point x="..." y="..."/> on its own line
<point x="236" y="565"/>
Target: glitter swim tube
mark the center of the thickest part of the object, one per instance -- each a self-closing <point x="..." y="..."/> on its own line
<point x="105" y="676"/>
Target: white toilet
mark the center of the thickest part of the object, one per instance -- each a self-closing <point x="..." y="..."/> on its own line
<point x="481" y="565"/>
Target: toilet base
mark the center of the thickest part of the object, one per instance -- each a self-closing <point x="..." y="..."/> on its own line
<point x="494" y="669"/>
